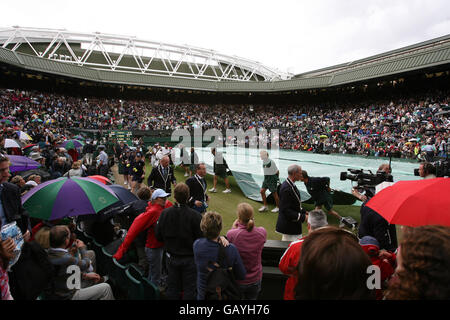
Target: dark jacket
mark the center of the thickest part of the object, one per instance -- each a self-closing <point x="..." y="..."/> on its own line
<point x="196" y="191"/>
<point x="205" y="253"/>
<point x="88" y="148"/>
<point x="156" y="179"/>
<point x="178" y="227"/>
<point x="12" y="206"/>
<point x="290" y="206"/>
<point x="374" y="225"/>
<point x="32" y="273"/>
<point x="317" y="186"/>
<point x="62" y="169"/>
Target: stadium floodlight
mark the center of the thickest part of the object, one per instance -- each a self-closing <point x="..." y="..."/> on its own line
<point x="132" y="55"/>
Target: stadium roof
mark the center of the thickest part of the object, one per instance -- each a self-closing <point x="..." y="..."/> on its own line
<point x="127" y="60"/>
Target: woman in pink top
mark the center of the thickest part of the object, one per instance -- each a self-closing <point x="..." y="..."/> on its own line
<point x="249" y="241"/>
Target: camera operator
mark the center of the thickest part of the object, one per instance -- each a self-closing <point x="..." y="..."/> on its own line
<point x="374" y="225"/>
<point x="427" y="170"/>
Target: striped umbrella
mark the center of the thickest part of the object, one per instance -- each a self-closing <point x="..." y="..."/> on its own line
<point x="67" y="197"/>
<point x="71" y="144"/>
<point x="7" y="122"/>
<point x="79" y="138"/>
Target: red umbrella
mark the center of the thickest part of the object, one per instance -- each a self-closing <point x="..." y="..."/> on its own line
<point x="102" y="179"/>
<point x="415" y="203"/>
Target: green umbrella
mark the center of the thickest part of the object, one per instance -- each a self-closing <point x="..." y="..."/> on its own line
<point x="72" y="144"/>
<point x="67" y="197"/>
<point x="79" y="138"/>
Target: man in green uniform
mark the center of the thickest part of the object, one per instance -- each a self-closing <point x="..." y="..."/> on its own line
<point x="271" y="181"/>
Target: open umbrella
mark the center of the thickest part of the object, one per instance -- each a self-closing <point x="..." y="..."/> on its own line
<point x="102" y="179"/>
<point x="21" y="163"/>
<point x="49" y="121"/>
<point x="7" y="122"/>
<point x="323" y="136"/>
<point x="67" y="197"/>
<point x="28" y="148"/>
<point x="414" y="203"/>
<point x="24" y="136"/>
<point x="37" y="120"/>
<point x="79" y="138"/>
<point x="71" y="144"/>
<point x="10" y="143"/>
<point x="124" y="195"/>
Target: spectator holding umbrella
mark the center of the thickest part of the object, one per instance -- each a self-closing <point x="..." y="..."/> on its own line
<point x="11" y="208"/>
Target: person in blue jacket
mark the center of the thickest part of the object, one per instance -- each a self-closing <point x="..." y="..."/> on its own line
<point x="206" y="250"/>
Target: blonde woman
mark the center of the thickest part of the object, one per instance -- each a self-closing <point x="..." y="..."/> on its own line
<point x="43" y="237"/>
<point x="249" y="240"/>
<point x="76" y="170"/>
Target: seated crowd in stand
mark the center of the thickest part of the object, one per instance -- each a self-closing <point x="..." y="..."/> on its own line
<point x="401" y="127"/>
<point x="180" y="245"/>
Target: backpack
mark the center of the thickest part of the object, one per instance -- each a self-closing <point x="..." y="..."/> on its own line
<point x="220" y="282"/>
<point x="32" y="273"/>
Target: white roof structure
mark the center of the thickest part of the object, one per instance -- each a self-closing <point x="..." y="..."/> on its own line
<point x="132" y="55"/>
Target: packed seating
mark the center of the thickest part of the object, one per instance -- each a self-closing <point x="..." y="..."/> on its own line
<point x="400" y="127"/>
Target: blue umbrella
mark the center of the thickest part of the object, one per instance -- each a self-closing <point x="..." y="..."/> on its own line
<point x="125" y="196"/>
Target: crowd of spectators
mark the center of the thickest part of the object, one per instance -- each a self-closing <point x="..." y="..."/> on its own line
<point x="182" y="243"/>
<point x="400" y="127"/>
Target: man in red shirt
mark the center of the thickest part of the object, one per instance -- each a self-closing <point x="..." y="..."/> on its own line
<point x="147" y="221"/>
<point x="289" y="261"/>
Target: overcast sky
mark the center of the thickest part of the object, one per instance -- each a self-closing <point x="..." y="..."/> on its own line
<point x="294" y="36"/>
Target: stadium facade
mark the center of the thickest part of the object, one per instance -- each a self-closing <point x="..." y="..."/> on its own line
<point x="123" y="60"/>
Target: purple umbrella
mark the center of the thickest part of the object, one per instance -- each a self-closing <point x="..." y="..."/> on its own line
<point x="67" y="197"/>
<point x="71" y="144"/>
<point x="21" y="163"/>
